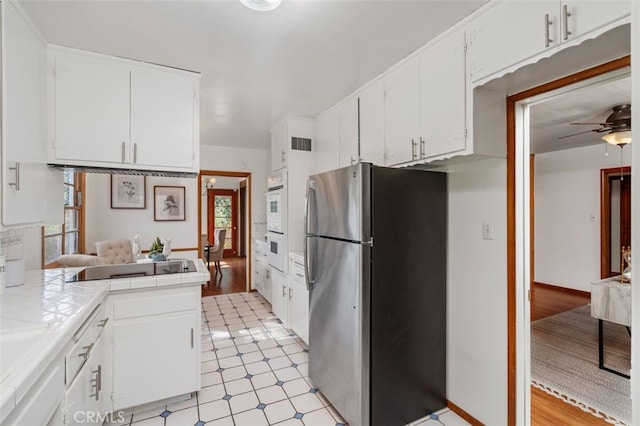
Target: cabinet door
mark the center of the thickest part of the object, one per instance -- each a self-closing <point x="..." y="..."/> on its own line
<point x="511" y="32"/>
<point x="586" y="16"/>
<point x="278" y="146"/>
<point x="91" y="111"/>
<point x="162" y="119"/>
<point x="443" y="97"/>
<point x="279" y="295"/>
<point x="348" y="119"/>
<point x="154" y="358"/>
<point x="24" y="169"/>
<point x="84" y="399"/>
<point x="401" y="108"/>
<point x="372" y="124"/>
<point x="299" y="305"/>
<point x="325" y="146"/>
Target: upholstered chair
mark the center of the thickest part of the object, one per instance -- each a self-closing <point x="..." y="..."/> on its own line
<point x="111" y="252"/>
<point x="216" y="251"/>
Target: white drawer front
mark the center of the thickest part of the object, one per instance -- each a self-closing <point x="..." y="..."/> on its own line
<point x="155" y="303"/>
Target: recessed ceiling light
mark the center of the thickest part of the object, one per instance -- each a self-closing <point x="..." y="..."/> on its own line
<point x="261" y="5"/>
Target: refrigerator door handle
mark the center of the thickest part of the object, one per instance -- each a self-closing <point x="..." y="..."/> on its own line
<point x="308" y="280"/>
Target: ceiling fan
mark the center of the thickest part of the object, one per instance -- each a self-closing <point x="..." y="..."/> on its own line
<point x="617" y="124"/>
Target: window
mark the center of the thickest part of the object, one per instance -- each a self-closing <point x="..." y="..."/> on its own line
<point x="68" y="237"/>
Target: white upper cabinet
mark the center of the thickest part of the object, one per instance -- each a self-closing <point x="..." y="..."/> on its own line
<point x="513" y="31"/>
<point x="443" y="118"/>
<point x="162" y="119"/>
<point x="401" y="113"/>
<point x="278" y="146"/>
<point x="24" y="169"/>
<point x="349" y="122"/>
<point x="325" y="145"/>
<point x="113" y="112"/>
<point x="372" y="124"/>
<point x="91" y="110"/>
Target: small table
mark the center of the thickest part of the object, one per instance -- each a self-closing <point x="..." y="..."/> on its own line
<point x="610" y="301"/>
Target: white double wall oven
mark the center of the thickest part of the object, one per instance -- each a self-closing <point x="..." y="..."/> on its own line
<point x="277" y="250"/>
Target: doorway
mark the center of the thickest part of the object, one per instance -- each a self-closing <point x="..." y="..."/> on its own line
<point x="225" y="202"/>
<point x="222" y="213"/>
<point x="520" y="233"/>
<point x="615" y="226"/>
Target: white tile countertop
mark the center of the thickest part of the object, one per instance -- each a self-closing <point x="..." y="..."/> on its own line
<point x="40" y="317"/>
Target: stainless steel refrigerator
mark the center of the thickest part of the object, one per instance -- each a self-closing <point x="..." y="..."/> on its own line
<point x="376" y="271"/>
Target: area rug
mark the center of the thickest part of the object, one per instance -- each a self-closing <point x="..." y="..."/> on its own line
<point x="564" y="363"/>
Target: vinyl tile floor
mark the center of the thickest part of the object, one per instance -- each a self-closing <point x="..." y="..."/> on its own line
<point x="254" y="372"/>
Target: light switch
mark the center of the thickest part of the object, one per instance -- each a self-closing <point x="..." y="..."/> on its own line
<point x="487" y="231"/>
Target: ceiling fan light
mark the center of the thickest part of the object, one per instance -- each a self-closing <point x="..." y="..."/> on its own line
<point x="261" y="5"/>
<point x="618" y="138"/>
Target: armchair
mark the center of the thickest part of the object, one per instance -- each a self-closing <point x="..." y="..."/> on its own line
<point x="214" y="252"/>
<point x="112" y="252"/>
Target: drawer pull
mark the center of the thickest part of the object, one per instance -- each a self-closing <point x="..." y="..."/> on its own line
<point x="103" y="322"/>
<point x="97" y="382"/>
<point x="192" y="338"/>
<point x="87" y="351"/>
<point x="299" y="275"/>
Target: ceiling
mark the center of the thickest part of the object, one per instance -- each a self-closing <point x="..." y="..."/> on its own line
<point x="256" y="67"/>
<point x="591" y="103"/>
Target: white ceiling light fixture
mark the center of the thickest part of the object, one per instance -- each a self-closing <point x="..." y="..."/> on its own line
<point x="208" y="184"/>
<point x="620" y="124"/>
<point x="261" y="5"/>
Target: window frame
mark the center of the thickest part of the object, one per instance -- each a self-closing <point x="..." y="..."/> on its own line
<point x="79" y="197"/>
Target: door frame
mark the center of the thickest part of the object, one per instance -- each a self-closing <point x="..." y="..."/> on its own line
<point x="517" y="257"/>
<point x="234" y="194"/>
<point x="606" y="176"/>
<point x="247" y="235"/>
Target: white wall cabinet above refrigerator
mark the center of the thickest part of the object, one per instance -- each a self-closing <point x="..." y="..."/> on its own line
<point x="112" y="112"/>
<point x="510" y="33"/>
<point x="25" y="178"/>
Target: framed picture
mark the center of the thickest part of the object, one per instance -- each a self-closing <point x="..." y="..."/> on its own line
<point x="128" y="192"/>
<point x="168" y="203"/>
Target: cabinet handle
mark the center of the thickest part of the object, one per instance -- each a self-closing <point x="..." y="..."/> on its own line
<point x="422" y="153"/>
<point x="282" y="155"/>
<point x="87" y="349"/>
<point x="122" y="152"/>
<point x="16" y="184"/>
<point x="103" y="323"/>
<point x="284" y="291"/>
<point x="191" y="337"/>
<point x="547" y="24"/>
<point x="135" y="152"/>
<point x="300" y="275"/>
<point x="290" y="293"/>
<point x="413" y="149"/>
<point x="98" y="382"/>
<point x="565" y="16"/>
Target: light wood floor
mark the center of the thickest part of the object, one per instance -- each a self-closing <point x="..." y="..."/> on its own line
<point x="232" y="280"/>
<point x="547" y="410"/>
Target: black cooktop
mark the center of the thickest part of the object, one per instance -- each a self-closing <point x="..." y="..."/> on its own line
<point x="132" y="270"/>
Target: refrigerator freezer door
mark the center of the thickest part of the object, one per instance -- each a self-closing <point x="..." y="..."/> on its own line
<point x="339" y="203"/>
<point x="339" y="327"/>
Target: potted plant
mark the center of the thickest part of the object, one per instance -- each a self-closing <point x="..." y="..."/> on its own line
<point x="155" y="251"/>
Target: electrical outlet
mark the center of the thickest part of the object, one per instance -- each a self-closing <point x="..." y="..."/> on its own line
<point x="487" y="231"/>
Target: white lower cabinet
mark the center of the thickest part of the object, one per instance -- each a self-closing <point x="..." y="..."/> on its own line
<point x="298" y="301"/>
<point x="290" y="298"/>
<point x="156" y="345"/>
<point x="279" y="295"/>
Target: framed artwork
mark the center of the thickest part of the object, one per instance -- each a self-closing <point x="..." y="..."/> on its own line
<point x="168" y="203"/>
<point x="128" y="192"/>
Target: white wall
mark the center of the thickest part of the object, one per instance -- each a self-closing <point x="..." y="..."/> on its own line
<point x="255" y="161"/>
<point x="477" y="291"/>
<point x="567" y="195"/>
<point x="104" y="223"/>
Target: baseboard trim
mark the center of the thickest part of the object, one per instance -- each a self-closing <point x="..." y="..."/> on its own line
<point x="563" y="289"/>
<point x="466" y="416"/>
